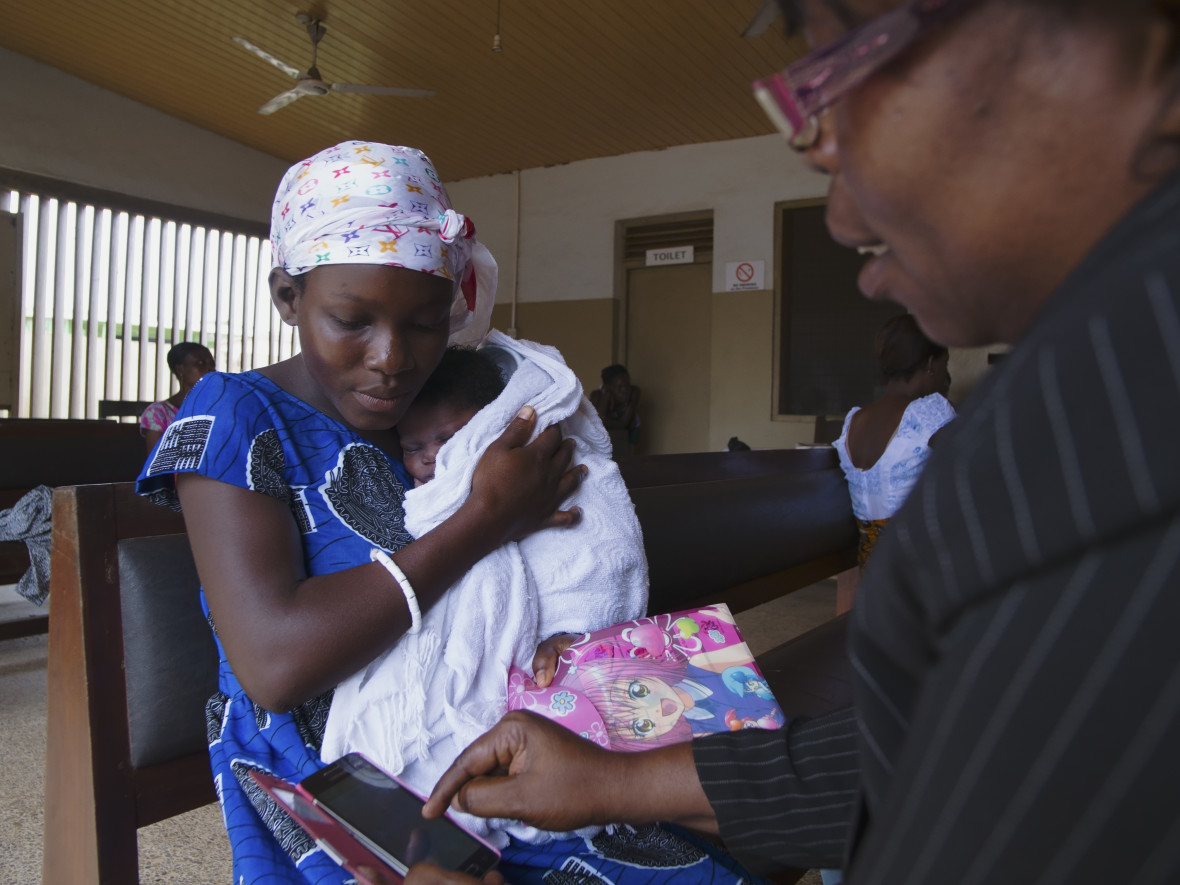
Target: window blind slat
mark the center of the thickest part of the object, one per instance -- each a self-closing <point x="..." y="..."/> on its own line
<point x="145" y="318"/>
<point x="76" y="339"/>
<point x="42" y="294"/>
<point x="129" y="309"/>
<point x="99" y="268"/>
<point x="116" y="271"/>
<point x="221" y="297"/>
<point x="61" y="305"/>
<point x="105" y="294"/>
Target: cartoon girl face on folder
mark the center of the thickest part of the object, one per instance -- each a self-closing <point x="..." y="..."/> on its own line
<point x="642" y="702"/>
<point x="646" y="704"/>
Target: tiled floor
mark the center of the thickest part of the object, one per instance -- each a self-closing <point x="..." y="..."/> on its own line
<point x="192" y="848"/>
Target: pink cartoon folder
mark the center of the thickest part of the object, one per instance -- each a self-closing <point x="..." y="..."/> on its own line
<point x="654" y="681"/>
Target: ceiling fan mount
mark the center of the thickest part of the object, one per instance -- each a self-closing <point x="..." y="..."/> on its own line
<point x="311" y="82"/>
<point x="768" y="12"/>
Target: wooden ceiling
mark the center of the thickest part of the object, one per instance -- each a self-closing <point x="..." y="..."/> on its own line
<point x="573" y="80"/>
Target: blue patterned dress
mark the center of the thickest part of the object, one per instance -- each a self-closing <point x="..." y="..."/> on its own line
<point x="346" y="497"/>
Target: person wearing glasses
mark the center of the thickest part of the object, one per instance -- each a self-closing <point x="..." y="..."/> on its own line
<point x="1012" y="167"/>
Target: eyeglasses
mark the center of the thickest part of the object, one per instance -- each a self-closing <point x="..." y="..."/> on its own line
<point x="794" y="97"/>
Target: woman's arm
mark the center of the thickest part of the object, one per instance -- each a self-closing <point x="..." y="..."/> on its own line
<point x="290" y="637"/>
<point x="151" y="437"/>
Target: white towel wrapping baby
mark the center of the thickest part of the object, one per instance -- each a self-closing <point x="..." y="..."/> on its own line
<point x="415" y="708"/>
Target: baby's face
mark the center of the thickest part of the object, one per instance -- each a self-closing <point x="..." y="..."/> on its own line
<point x="423" y="430"/>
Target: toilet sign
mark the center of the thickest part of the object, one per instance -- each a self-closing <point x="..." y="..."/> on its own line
<point x="744" y="276"/>
<point x="673" y="255"/>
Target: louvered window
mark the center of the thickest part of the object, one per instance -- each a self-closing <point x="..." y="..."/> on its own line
<point x="695" y="231"/>
<point x="101" y="293"/>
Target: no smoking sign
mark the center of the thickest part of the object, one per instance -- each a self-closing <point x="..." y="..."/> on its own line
<point x="744" y="276"/>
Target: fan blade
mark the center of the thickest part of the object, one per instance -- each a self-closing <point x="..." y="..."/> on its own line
<point x="280" y="101"/>
<point x="382" y="90"/>
<point x="266" y="56"/>
<point x="763" y="18"/>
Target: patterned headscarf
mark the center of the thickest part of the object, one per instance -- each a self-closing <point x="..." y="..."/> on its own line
<point x="368" y="203"/>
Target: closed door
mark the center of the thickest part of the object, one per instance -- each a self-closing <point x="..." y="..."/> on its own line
<point x="669" y="317"/>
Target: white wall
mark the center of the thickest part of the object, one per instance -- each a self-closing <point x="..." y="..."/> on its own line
<point x="567" y="237"/>
<point x="568" y="213"/>
<point x="61" y="127"/>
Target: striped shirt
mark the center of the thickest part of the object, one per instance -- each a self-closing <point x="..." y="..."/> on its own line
<point x="1015" y="644"/>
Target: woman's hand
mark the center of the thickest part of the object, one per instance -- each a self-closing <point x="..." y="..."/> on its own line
<point x="545" y="660"/>
<point x="518" y="486"/>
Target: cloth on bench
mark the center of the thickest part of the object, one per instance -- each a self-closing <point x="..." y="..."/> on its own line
<point x="413" y="709"/>
<point x="29" y="520"/>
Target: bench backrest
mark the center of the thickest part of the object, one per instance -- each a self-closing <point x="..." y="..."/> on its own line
<point x="659" y="470"/>
<point x="57" y="452"/>
<point x="122" y="408"/>
<point x="746" y="540"/>
<point x="131" y="663"/>
<point x="60" y="453"/>
<point x="169" y="656"/>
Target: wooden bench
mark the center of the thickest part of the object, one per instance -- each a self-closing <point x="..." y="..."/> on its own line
<point x="57" y="453"/>
<point x="655" y="470"/>
<point x="778" y="506"/>
<point x="122" y="408"/>
<point x="131" y="659"/>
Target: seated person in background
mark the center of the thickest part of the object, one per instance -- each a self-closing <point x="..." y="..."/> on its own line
<point x="617" y="402"/>
<point x="189" y="362"/>
<point x="884" y="446"/>
<point x="464" y="382"/>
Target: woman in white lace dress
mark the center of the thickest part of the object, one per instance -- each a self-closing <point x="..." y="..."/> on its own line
<point x="884" y="446"/>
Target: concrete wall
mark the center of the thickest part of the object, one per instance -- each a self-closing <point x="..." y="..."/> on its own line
<point x="568" y="213"/>
<point x="557" y="250"/>
<point x="566" y="248"/>
<point x="61" y="127"/>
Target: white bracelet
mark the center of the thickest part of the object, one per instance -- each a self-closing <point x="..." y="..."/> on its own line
<point x="379" y="555"/>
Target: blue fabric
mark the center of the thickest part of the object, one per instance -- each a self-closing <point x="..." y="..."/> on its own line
<point x="648" y="855"/>
<point x="346" y="496"/>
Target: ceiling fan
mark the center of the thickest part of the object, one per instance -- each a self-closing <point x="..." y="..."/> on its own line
<point x="310" y="82"/>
